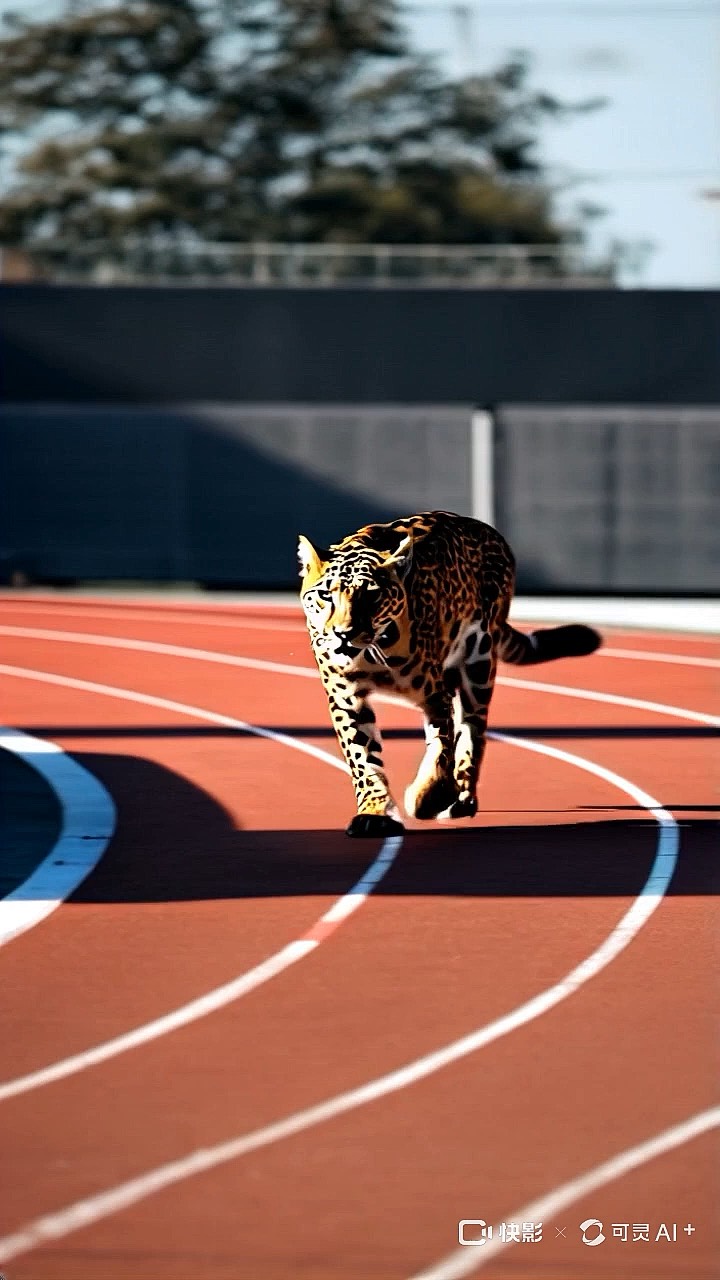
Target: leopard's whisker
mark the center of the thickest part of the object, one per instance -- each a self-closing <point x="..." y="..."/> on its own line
<point x="378" y="655"/>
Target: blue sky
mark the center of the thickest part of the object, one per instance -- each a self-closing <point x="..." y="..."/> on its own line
<point x="650" y="154"/>
<point x="654" y="149"/>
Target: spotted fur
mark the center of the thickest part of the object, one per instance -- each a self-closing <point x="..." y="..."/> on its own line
<point x="418" y="607"/>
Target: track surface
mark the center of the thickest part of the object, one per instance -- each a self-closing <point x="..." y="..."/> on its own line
<point x="230" y="846"/>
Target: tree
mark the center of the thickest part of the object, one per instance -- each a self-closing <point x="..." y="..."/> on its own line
<point x="234" y="120"/>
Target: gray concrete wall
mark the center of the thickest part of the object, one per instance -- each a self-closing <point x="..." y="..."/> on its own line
<point x="610" y="499"/>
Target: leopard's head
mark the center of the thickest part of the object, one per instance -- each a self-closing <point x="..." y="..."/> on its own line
<point x="355" y="598"/>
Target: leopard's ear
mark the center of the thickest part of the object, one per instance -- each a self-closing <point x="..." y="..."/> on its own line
<point x="401" y="560"/>
<point x="311" y="559"/>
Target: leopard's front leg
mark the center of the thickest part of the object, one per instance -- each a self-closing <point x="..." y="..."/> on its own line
<point x="434" y="788"/>
<point x="359" y="737"/>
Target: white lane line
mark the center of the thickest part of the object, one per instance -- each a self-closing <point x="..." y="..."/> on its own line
<point x="468" y="1259"/>
<point x="92" y="1209"/>
<point x="87" y="825"/>
<point x="181" y="708"/>
<point x="296" y="950"/>
<point x="616" y="699"/>
<point x="154" y="646"/>
<point x="125" y="613"/>
<point x="240" y="622"/>
<point x="284" y="668"/>
<point x="690" y="620"/>
<point x="285" y="601"/>
<point x="650" y="655"/>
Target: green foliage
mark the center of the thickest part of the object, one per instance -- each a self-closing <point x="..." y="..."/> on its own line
<point x="232" y="120"/>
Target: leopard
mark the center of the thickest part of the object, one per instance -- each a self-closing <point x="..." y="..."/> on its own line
<point x="417" y="608"/>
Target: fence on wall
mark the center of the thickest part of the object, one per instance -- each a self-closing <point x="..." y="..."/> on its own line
<point x="165" y="260"/>
<point x="620" y="498"/>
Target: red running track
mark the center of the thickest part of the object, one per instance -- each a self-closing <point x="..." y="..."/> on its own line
<point x="230" y="846"/>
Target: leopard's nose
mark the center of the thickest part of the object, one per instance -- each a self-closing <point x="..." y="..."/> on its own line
<point x="344" y="646"/>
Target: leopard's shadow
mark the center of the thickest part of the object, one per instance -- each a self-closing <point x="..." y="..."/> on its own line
<point x="174" y="842"/>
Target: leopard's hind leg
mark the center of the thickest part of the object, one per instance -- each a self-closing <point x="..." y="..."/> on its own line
<point x="475" y="681"/>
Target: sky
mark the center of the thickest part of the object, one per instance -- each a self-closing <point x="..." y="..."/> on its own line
<point x="654" y="150"/>
<point x="650" y="156"/>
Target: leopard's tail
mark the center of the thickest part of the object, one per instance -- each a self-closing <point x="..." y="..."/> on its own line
<point x="542" y="646"/>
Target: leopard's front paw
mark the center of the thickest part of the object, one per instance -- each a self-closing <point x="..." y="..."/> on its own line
<point x="369" y="826"/>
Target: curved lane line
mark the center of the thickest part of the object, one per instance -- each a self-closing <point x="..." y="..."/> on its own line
<point x="616" y="699"/>
<point x="182" y="611"/>
<point x="276" y="964"/>
<point x="155" y="646"/>
<point x="296" y="950"/>
<point x="103" y="1204"/>
<point x="648" y="655"/>
<point x="87" y="825"/>
<point x="161" y="615"/>
<point x="273" y="624"/>
<point x="283" y="668"/>
<point x="188" y="602"/>
<point x="466" y="1260"/>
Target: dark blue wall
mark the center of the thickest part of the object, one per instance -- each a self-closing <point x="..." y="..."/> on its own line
<point x="364" y="346"/>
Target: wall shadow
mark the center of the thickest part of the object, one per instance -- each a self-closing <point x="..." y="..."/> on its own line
<point x="172" y="493"/>
<point x="174" y="842"/>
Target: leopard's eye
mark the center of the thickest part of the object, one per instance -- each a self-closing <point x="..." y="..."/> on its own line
<point x="318" y="601"/>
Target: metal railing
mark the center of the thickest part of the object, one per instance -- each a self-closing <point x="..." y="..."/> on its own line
<point x="159" y="261"/>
